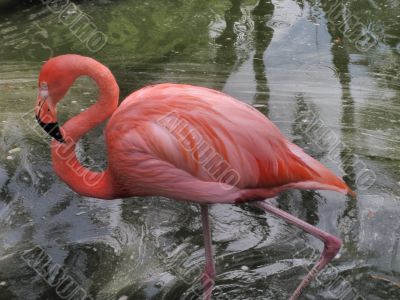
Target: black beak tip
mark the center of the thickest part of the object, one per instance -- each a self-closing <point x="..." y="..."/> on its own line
<point x="52" y="129"/>
<point x="60" y="138"/>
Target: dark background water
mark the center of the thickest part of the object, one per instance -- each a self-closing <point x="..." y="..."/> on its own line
<point x="334" y="63"/>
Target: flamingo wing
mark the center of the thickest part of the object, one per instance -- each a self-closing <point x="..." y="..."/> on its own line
<point x="196" y="143"/>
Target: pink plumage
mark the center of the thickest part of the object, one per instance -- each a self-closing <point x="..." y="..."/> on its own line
<point x="146" y="139"/>
<point x="179" y="141"/>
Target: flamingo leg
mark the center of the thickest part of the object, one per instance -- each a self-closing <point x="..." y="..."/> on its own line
<point x="209" y="272"/>
<point x="331" y="243"/>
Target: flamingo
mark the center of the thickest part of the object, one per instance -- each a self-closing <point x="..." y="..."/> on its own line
<point x="182" y="142"/>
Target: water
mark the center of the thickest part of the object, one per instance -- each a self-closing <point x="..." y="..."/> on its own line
<point x="298" y="62"/>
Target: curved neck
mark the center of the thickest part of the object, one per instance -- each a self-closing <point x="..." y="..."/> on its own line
<point x="65" y="163"/>
<point x="106" y="104"/>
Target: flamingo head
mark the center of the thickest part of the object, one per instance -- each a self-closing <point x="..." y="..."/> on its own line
<point x="54" y="82"/>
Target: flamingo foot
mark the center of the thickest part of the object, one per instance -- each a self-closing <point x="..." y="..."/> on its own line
<point x="331" y="248"/>
<point x="331" y="243"/>
<point x="207" y="279"/>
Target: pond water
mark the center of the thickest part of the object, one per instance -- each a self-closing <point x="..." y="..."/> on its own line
<point x="327" y="73"/>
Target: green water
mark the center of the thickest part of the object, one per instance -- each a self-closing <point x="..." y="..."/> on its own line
<point x="327" y="73"/>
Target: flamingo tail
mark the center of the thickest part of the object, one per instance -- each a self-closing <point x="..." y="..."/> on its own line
<point x="322" y="177"/>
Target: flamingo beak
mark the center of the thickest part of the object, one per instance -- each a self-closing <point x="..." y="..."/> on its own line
<point x="46" y="116"/>
<point x="52" y="129"/>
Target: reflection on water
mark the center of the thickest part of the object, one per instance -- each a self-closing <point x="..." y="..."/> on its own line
<point x="290" y="59"/>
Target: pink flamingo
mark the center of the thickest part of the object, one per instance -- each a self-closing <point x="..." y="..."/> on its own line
<point x="183" y="142"/>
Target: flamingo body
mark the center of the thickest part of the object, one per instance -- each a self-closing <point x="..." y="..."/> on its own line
<point x="183" y="142"/>
<point x="163" y="140"/>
